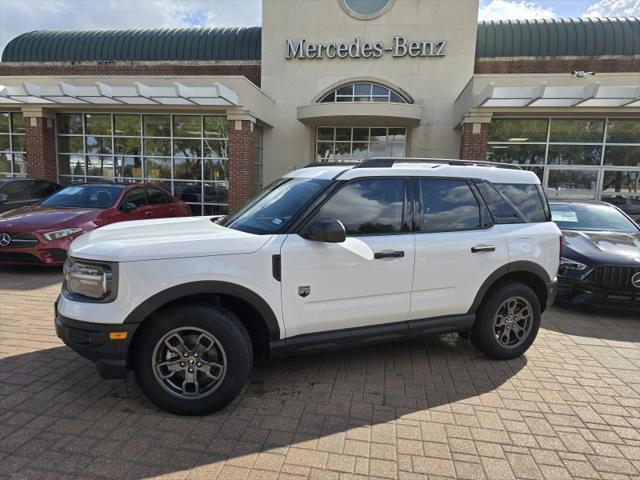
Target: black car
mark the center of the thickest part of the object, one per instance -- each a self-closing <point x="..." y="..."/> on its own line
<point x="601" y="255"/>
<point x="20" y="192"/>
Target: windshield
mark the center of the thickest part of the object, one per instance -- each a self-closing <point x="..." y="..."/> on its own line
<point x="85" y="196"/>
<point x="276" y="206"/>
<point x="590" y="217"/>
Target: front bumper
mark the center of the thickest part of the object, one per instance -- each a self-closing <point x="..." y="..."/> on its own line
<point x="91" y="340"/>
<point x="52" y="254"/>
<point x="579" y="292"/>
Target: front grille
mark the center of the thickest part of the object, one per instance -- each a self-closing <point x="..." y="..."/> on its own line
<point x="613" y="277"/>
<point x="19" y="240"/>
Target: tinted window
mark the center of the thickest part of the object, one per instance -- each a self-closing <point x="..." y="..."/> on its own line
<point x="367" y="206"/>
<point x="272" y="209"/>
<point x="85" y="196"/>
<point x="137" y="197"/>
<point x="569" y="216"/>
<point x="42" y="189"/>
<point x="157" y="197"/>
<point x="448" y="205"/>
<point x="16" y="190"/>
<point x="513" y="203"/>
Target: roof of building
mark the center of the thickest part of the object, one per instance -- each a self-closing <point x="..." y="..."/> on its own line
<point x="156" y="44"/>
<point x="582" y="37"/>
<point x="510" y="38"/>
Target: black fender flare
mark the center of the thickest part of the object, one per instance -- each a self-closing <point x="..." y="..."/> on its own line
<point x="518" y="266"/>
<point x="177" y="292"/>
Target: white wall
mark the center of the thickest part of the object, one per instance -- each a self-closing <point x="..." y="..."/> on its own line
<point x="432" y="82"/>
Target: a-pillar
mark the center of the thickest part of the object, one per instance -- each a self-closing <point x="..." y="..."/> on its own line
<point x="475" y="135"/>
<point x="241" y="166"/>
<point x="40" y="140"/>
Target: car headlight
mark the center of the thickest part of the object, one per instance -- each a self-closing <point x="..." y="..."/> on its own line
<point x="569" y="264"/>
<point x="61" y="233"/>
<point x="94" y="281"/>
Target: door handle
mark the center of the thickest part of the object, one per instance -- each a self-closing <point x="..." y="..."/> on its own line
<point x="148" y="212"/>
<point x="483" y="248"/>
<point x="396" y="254"/>
<point x="172" y="210"/>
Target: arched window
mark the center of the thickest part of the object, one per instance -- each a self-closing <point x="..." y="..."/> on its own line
<point x="363" y="92"/>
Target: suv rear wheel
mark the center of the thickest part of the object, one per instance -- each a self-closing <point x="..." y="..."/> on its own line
<point x="193" y="359"/>
<point x="508" y="321"/>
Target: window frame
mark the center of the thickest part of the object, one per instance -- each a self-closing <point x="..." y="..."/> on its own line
<point x="486" y="220"/>
<point x="601" y="168"/>
<point x="407" y="205"/>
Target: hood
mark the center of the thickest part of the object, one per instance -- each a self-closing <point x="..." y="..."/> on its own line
<point x="40" y="218"/>
<point x="164" y="238"/>
<point x="613" y="248"/>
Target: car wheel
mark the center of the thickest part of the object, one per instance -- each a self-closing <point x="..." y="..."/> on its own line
<point x="507" y="322"/>
<point x="193" y="359"/>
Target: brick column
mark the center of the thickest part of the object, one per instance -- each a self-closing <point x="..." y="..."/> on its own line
<point x="40" y="139"/>
<point x="241" y="168"/>
<point x="473" y="145"/>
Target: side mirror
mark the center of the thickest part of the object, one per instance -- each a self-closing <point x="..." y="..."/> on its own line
<point x="128" y="207"/>
<point x="4" y="198"/>
<point x="325" y="230"/>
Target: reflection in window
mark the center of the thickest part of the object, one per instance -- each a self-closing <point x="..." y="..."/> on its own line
<point x="354" y="143"/>
<point x="577" y="130"/>
<point x="517" y="154"/>
<point x="575" y="155"/>
<point x="448" y="205"/>
<point x="518" y="130"/>
<point x="363" y="92"/>
<point x="13" y="155"/>
<point x="572" y="184"/>
<point x="367" y="207"/>
<point x="178" y="152"/>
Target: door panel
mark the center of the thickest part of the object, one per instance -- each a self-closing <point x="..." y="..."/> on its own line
<point x="365" y="280"/>
<point x="448" y="274"/>
<point x="457" y="248"/>
<point x="348" y="287"/>
<point x="138" y="197"/>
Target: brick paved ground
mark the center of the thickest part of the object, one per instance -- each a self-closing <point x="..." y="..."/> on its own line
<point x="422" y="409"/>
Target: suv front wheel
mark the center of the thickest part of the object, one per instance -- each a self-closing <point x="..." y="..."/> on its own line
<point x="193" y="359"/>
<point x="508" y="321"/>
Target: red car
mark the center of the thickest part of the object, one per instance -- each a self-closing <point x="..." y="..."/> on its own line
<point x="42" y="233"/>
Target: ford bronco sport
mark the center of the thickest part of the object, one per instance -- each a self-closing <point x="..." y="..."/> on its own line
<point x="328" y="256"/>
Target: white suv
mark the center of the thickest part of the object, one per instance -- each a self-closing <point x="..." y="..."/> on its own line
<point x="328" y="256"/>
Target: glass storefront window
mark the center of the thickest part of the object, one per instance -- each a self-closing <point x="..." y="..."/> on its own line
<point x="178" y="152"/>
<point x="575" y="155"/>
<point x="517" y="153"/>
<point x="363" y="92"/>
<point x="518" y="130"/>
<point x="572" y="184"/>
<point x="622" y="156"/>
<point x="576" y="130"/>
<point x="579" y="145"/>
<point x="13" y="155"/>
<point x="623" y="131"/>
<point x="358" y="143"/>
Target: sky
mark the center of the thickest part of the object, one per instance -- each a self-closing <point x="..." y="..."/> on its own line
<point x="19" y="16"/>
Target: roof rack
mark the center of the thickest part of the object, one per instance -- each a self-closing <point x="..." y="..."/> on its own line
<point x="383" y="162"/>
<point x="332" y="164"/>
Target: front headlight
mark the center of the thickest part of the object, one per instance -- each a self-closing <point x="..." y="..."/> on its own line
<point x="94" y="281"/>
<point x="569" y="264"/>
<point x="61" y="233"/>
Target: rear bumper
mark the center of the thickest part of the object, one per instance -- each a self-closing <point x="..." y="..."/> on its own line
<point x="582" y="293"/>
<point x="91" y="340"/>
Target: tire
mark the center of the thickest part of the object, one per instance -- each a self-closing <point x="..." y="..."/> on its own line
<point x="507" y="304"/>
<point x="225" y="353"/>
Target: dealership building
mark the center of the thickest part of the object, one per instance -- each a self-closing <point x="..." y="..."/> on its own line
<point x="215" y="113"/>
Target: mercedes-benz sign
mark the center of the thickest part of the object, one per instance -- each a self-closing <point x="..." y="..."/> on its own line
<point x="635" y="280"/>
